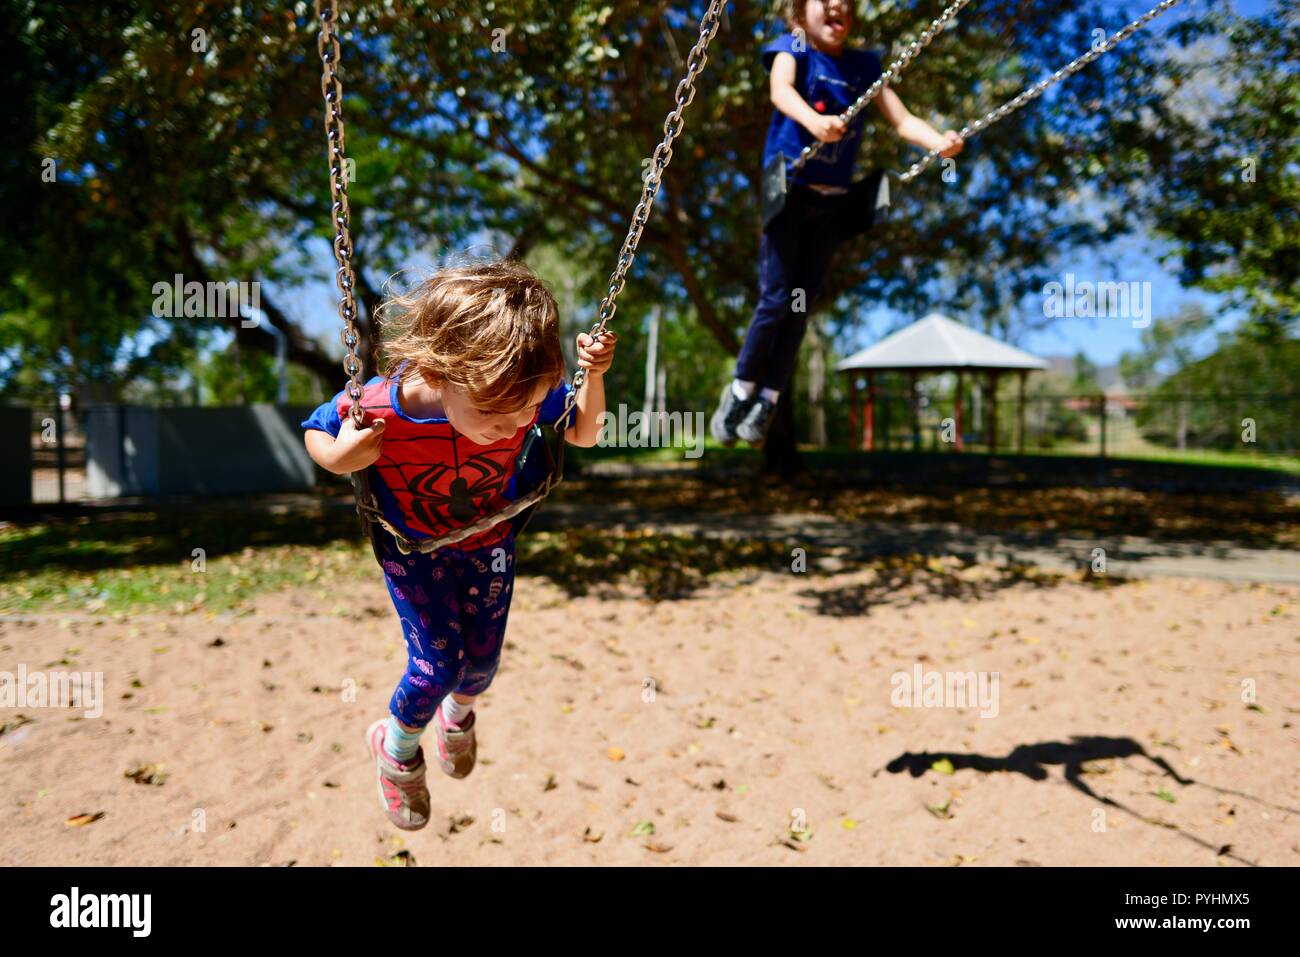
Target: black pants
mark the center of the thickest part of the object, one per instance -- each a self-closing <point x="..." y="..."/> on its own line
<point x="794" y="256"/>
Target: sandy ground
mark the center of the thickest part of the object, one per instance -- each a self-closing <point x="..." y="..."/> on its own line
<point x="699" y="731"/>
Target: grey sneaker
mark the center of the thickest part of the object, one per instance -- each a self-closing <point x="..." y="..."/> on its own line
<point x="402" y="789"/>
<point x="457" y="747"/>
<point x="753" y="427"/>
<point x="728" y="415"/>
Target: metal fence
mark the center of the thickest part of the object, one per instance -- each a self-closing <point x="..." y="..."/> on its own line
<point x="1128" y="425"/>
<point x="53" y="455"/>
<point x="58" y="448"/>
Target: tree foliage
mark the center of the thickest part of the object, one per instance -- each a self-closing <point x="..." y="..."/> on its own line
<point x="188" y="138"/>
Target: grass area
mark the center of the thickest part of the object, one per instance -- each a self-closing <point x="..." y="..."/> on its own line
<point x="221" y="556"/>
<point x="1208" y="458"/>
<point x="146" y="562"/>
<point x="715" y="454"/>
<point x="1257" y="519"/>
<point x="215" y="559"/>
<point x="579" y="561"/>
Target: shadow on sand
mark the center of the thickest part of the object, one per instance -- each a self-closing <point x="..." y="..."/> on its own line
<point x="1033" y="760"/>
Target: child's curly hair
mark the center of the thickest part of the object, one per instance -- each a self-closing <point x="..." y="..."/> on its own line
<point x="491" y="329"/>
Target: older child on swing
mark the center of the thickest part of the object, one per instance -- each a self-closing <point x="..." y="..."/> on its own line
<point x="814" y="78"/>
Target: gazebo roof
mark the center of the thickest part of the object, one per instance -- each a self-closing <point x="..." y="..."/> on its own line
<point x="937" y="342"/>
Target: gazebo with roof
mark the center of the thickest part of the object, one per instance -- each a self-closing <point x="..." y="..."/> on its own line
<point x="937" y="344"/>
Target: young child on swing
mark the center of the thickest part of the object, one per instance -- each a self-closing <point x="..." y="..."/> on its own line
<point x="814" y="78"/>
<point x="471" y="359"/>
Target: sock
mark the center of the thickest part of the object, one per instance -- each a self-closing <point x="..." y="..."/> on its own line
<point x="400" y="744"/>
<point x="771" y="395"/>
<point x="454" y="711"/>
<point x="741" y="389"/>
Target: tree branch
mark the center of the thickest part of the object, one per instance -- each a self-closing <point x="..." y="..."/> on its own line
<point x="299" y="348"/>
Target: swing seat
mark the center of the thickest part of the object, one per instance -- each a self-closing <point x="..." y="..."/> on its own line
<point x="866" y="202"/>
<point x="861" y="206"/>
<point x="537" y="470"/>
<point x="775" y="188"/>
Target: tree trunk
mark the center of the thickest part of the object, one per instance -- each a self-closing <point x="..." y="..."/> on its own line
<point x="780" y="453"/>
<point x="817" y="385"/>
<point x="651" y="357"/>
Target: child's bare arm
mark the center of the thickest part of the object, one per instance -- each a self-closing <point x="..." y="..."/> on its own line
<point x="353" y="450"/>
<point x="786" y="98"/>
<point x="596" y="358"/>
<point x="915" y="130"/>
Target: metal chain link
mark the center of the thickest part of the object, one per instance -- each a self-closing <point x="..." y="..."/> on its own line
<point x="327" y="44"/>
<point x="898" y="66"/>
<point x="662" y="156"/>
<point x="1035" y="91"/>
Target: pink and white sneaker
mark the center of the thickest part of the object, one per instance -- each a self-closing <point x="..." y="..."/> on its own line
<point x="457" y="748"/>
<point x="403" y="792"/>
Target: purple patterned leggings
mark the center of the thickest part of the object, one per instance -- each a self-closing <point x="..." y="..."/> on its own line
<point x="452" y="606"/>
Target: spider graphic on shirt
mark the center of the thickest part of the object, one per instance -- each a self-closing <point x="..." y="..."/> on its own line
<point x="459" y="492"/>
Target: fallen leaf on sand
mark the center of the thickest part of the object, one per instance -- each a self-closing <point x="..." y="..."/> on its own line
<point x="942" y="811"/>
<point x="591" y="837"/>
<point x="1099" y="766"/>
<point x="147" y="774"/>
<point x="81" y="820"/>
<point x="724" y="816"/>
<point x="615" y="754"/>
<point x="943" y="766"/>
<point x="15" y="723"/>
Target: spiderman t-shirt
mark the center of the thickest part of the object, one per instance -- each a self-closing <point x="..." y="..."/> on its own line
<point x="830" y="85"/>
<point x="433" y="479"/>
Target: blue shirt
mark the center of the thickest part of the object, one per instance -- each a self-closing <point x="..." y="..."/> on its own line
<point x="830" y="85"/>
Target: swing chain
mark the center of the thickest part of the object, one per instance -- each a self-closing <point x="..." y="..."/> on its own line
<point x="1037" y="90"/>
<point x="898" y="66"/>
<point x="327" y="44"/>
<point x="674" y="123"/>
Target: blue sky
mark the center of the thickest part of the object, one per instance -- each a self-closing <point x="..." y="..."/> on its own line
<point x="1102" y="340"/>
